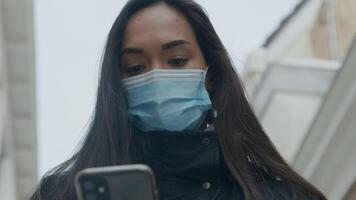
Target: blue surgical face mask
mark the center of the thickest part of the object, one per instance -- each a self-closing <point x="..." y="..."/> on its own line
<point x="167" y="99"/>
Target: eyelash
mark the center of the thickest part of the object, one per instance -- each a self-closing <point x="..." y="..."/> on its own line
<point x="132" y="70"/>
<point x="184" y="60"/>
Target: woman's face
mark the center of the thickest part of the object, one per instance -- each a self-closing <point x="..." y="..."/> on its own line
<point x="159" y="37"/>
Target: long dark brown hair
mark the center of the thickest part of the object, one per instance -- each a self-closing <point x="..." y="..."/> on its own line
<point x="239" y="131"/>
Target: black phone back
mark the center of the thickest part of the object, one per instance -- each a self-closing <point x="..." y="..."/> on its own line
<point x="127" y="182"/>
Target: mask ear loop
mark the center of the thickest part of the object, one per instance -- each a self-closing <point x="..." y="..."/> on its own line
<point x="212" y="112"/>
<point x="206" y="72"/>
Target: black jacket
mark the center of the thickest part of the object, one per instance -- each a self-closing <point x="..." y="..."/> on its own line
<point x="189" y="165"/>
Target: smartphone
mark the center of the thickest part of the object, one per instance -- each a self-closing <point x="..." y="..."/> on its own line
<point x="125" y="182"/>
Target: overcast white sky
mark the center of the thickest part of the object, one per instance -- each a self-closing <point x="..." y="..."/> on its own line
<point x="70" y="38"/>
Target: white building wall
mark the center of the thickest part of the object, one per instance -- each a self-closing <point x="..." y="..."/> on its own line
<point x="327" y="155"/>
<point x="287" y="99"/>
<point x="18" y="159"/>
<point x="305" y="104"/>
<point x="301" y="48"/>
<point x="288" y="118"/>
<point x="293" y="41"/>
<point x="7" y="174"/>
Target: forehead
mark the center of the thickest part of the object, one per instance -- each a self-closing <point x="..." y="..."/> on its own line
<point x="157" y="24"/>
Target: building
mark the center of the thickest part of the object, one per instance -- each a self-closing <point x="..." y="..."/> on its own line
<point x="18" y="154"/>
<point x="301" y="83"/>
<point x="326" y="155"/>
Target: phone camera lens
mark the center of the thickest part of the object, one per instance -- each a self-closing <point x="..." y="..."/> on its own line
<point x="101" y="189"/>
<point x="88" y="185"/>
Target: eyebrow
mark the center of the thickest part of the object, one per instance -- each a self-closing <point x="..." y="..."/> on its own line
<point x="168" y="45"/>
<point x="174" y="43"/>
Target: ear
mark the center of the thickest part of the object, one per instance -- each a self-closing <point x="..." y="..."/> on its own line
<point x="209" y="82"/>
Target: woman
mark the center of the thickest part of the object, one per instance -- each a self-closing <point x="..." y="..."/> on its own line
<point x="169" y="97"/>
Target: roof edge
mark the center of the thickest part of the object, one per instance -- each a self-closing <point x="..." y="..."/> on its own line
<point x="284" y="23"/>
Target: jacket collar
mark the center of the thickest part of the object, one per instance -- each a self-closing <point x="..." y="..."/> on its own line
<point x="178" y="156"/>
<point x="181" y="145"/>
<point x="183" y="153"/>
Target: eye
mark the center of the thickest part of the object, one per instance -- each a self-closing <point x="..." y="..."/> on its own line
<point x="178" y="61"/>
<point x="135" y="70"/>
